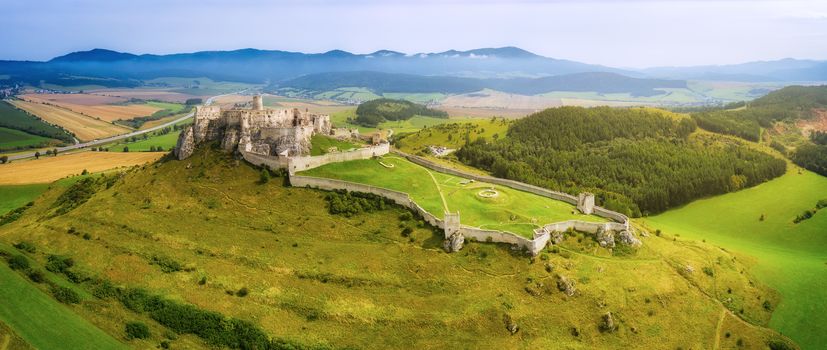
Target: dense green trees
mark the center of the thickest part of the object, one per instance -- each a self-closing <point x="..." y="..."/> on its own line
<point x="637" y="161"/>
<point x="352" y="203"/>
<point x="812" y="157"/>
<point x="372" y="113"/>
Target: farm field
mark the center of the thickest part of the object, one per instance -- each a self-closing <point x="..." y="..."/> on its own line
<point x="102" y="107"/>
<point x="85" y="128"/>
<point x="160" y="94"/>
<point x="13" y="118"/>
<point x="11" y="139"/>
<point x="43" y="322"/>
<point x="48" y="168"/>
<point x="511" y="210"/>
<point x="316" y="289"/>
<point x="791" y="258"/>
<point x="166" y="142"/>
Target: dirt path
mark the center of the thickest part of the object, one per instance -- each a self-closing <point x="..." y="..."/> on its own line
<point x="718" y="328"/>
<point x="439" y="190"/>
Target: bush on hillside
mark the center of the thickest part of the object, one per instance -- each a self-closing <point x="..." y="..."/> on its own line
<point x="18" y="262"/>
<point x="65" y="295"/>
<point x="352" y="203"/>
<point x="137" y="330"/>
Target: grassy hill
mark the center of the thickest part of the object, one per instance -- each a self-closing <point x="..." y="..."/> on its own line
<point x="758" y="222"/>
<point x="373" y="112"/>
<point x="197" y="232"/>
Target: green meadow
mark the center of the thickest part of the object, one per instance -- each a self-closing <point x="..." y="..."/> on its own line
<point x="320" y="144"/>
<point x="42" y="321"/>
<point x="510" y="210"/>
<point x="758" y="222"/>
<point x="15" y="196"/>
<point x="13" y="139"/>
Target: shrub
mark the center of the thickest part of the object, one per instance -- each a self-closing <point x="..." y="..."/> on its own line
<point x="18" y="262"/>
<point x="105" y="290"/>
<point x="407" y="231"/>
<point x="65" y="295"/>
<point x="87" y="236"/>
<point x="59" y="264"/>
<point x="242" y="292"/>
<point x="708" y="271"/>
<point x="777" y="344"/>
<point x="264" y="177"/>
<point x="75" y="195"/>
<point x="202" y="281"/>
<point x="767" y="306"/>
<point x="25" y="246"/>
<point x="166" y="264"/>
<point x="352" y="203"/>
<point x="137" y="330"/>
<point x="36" y="276"/>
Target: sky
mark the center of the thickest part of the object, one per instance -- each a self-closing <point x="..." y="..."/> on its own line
<point x="632" y="34"/>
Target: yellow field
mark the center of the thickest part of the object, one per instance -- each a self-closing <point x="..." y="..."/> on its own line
<point x="95" y="106"/>
<point x="146" y="94"/>
<point x="48" y="169"/>
<point x="85" y="128"/>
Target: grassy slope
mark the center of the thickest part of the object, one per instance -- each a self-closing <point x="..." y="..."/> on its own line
<point x="512" y="210"/>
<point x="439" y="135"/>
<point x="790" y="257"/>
<point x="42" y="321"/>
<point x="414" y="124"/>
<point x="352" y="281"/>
<point x="18" y="195"/>
<point x="321" y="143"/>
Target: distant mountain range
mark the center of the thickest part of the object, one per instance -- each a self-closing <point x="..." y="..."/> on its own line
<point x="510" y="69"/>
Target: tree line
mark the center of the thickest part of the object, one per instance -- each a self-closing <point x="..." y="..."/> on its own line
<point x="373" y="112"/>
<point x="636" y="161"/>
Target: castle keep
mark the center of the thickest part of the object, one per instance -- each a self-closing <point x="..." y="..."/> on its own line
<point x="260" y="131"/>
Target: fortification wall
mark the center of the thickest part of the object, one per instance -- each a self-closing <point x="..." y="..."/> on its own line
<point x="565" y="197"/>
<point x="403" y="199"/>
<point x="297" y="164"/>
<point x="260" y="160"/>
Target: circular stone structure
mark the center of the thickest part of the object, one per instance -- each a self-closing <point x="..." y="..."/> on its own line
<point x="488" y="193"/>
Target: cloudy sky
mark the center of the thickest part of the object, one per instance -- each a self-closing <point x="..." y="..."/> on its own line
<point x="636" y="33"/>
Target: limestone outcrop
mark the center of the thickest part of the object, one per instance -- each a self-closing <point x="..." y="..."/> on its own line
<point x="566" y="285"/>
<point x="605" y="238"/>
<point x="261" y="131"/>
<point x="454" y="242"/>
<point x="628" y="238"/>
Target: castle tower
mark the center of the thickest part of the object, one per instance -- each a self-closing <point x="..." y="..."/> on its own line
<point x="585" y="203"/>
<point x="454" y="240"/>
<point x="258" y="104"/>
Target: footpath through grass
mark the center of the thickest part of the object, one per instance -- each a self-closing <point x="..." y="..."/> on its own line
<point x="791" y="258"/>
<point x="509" y="210"/>
<point x="42" y="321"/>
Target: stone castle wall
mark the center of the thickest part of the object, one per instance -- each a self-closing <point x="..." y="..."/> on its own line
<point x="565" y="197"/>
<point x="297" y="164"/>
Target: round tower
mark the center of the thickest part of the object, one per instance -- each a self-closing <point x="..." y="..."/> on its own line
<point x="258" y="104"/>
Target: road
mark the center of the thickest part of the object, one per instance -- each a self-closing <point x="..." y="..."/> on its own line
<point x="119" y="137"/>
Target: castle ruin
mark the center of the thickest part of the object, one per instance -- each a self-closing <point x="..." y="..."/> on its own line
<point x="261" y="131"/>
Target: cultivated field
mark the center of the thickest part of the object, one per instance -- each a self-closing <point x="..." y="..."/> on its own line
<point x="14" y="139"/>
<point x="85" y="128"/>
<point x="48" y="168"/>
<point x="511" y="210"/>
<point x="146" y="94"/>
<point x="316" y="278"/>
<point x="758" y="222"/>
<point x="95" y="106"/>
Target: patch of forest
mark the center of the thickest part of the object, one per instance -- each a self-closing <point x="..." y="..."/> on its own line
<point x="788" y="104"/>
<point x="636" y="161"/>
<point x="373" y="112"/>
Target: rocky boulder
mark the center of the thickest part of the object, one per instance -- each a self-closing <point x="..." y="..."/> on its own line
<point x="185" y="145"/>
<point x="454" y="242"/>
<point x="605" y="238"/>
<point x="557" y="237"/>
<point x="566" y="285"/>
<point x="607" y="323"/>
<point x="628" y="238"/>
